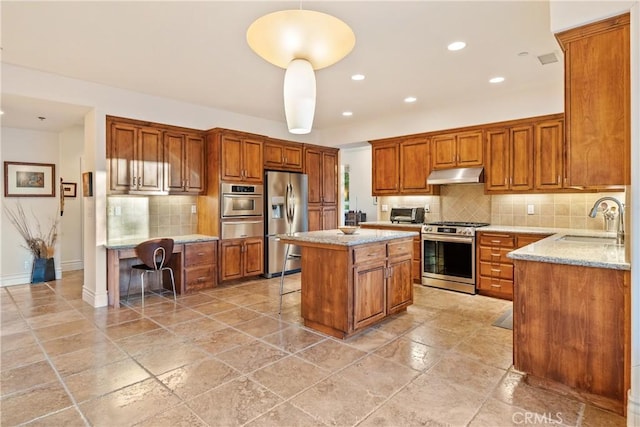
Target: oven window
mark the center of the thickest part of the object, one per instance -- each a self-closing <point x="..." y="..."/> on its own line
<point x="243" y="204"/>
<point x="448" y="259"/>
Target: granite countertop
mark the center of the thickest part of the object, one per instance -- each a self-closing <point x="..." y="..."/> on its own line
<point x="417" y="227"/>
<point x="132" y="243"/>
<point x="588" y="254"/>
<point x="338" y="238"/>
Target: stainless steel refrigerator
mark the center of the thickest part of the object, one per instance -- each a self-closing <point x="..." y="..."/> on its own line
<point x="285" y="213"/>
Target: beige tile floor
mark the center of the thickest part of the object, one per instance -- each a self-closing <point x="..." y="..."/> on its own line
<point x="223" y="357"/>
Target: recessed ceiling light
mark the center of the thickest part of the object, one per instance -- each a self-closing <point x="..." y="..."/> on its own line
<point x="410" y="99"/>
<point x="1" y="112"/>
<point x="347" y="113"/>
<point x="524" y="53"/>
<point x="456" y="46"/>
<point x="357" y="77"/>
<point x="496" y="80"/>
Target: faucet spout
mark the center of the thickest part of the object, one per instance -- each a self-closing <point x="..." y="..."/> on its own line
<point x="620" y="231"/>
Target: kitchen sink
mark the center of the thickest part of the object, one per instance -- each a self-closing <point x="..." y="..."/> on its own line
<point x="587" y="239"/>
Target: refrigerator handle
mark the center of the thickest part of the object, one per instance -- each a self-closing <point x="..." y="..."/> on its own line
<point x="286" y="204"/>
<point x="292" y="204"/>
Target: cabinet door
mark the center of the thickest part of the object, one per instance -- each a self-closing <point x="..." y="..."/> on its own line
<point x="415" y="166"/>
<point x="120" y="155"/>
<point x="469" y="149"/>
<point x="315" y="218"/>
<point x="329" y="217"/>
<point x="149" y="166"/>
<point x="521" y="158"/>
<point x="369" y="303"/>
<point x="329" y="177"/>
<point x="253" y="256"/>
<point x="231" y="168"/>
<point x="443" y="151"/>
<point x="597" y="104"/>
<point x="174" y="152"/>
<point x="252" y="160"/>
<point x="385" y="168"/>
<point x="313" y="162"/>
<point x="548" y="155"/>
<point x="231" y="259"/>
<point x="194" y="164"/>
<point x="273" y="154"/>
<point x="497" y="167"/>
<point x="399" y="286"/>
<point x="293" y="157"/>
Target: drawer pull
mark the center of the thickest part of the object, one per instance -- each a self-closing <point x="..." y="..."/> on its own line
<point x="496" y="241"/>
<point x="492" y="254"/>
<point x="496" y="286"/>
<point x="201" y="279"/>
<point x="201" y="254"/>
<point x="496" y="270"/>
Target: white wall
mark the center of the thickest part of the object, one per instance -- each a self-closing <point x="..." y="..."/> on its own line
<point x="359" y="161"/>
<point x="19" y="145"/>
<point x="71" y="149"/>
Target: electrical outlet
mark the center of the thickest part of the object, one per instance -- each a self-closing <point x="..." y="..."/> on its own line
<point x="530" y="210"/>
<point x="427" y="208"/>
<point x="385" y="208"/>
<point x="118" y="210"/>
<point x="193" y="209"/>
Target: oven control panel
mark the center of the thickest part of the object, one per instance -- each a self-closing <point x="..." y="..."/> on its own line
<point x="463" y="231"/>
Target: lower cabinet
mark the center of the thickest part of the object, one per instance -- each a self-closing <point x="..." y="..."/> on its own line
<point x="241" y="258"/>
<point x="494" y="269"/>
<point x="200" y="260"/>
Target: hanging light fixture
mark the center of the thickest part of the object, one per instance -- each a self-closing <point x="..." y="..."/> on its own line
<point x="300" y="41"/>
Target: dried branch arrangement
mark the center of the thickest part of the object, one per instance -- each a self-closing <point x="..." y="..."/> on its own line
<point x="39" y="244"/>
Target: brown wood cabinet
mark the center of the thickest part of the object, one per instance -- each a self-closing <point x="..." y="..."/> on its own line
<point x="548" y="155"/>
<point x="401" y="166"/>
<point x="241" y="157"/>
<point x="185" y="162"/>
<point x="135" y="158"/>
<point x="460" y="149"/>
<point x="399" y="284"/>
<point x="571" y="330"/>
<point x="283" y="155"/>
<point x="509" y="159"/>
<point x="241" y="258"/>
<point x="416" y="265"/>
<point x="597" y="103"/>
<point x="321" y="167"/>
<point x="200" y="261"/>
<point x="494" y="270"/>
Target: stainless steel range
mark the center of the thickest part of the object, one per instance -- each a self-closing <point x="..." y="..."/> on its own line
<point x="449" y="255"/>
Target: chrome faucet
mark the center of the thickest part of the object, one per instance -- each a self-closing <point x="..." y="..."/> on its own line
<point x="594" y="212"/>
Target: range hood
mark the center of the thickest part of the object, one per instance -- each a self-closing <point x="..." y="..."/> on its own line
<point x="456" y="176"/>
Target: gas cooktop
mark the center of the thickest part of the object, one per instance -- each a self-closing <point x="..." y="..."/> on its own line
<point x="458" y="224"/>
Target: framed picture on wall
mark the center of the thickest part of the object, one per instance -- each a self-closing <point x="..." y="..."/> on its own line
<point x="69" y="189"/>
<point x="23" y="179"/>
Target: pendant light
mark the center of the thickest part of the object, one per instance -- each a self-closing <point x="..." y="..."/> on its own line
<point x="300" y="41"/>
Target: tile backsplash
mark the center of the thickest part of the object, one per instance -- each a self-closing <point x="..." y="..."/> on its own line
<point x="150" y="216"/>
<point x="467" y="202"/>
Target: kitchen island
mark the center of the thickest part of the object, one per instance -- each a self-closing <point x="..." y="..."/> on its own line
<point x="571" y="316"/>
<point x="350" y="282"/>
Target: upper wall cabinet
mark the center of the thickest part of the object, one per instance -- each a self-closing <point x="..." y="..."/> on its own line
<point x="241" y="157"/>
<point x="185" y="162"/>
<point x="135" y="156"/>
<point x="283" y="155"/>
<point x="509" y="159"/>
<point x="597" y="103"/>
<point x="462" y="149"/>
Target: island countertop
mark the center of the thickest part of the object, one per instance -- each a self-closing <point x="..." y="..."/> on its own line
<point x="338" y="238"/>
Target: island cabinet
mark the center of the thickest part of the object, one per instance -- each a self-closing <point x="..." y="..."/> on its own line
<point x="240" y="157"/>
<point x="135" y="156"/>
<point x="321" y="167"/>
<point x="572" y="330"/>
<point x="458" y="149"/>
<point x="597" y="103"/>
<point x="240" y="258"/>
<point x="347" y="287"/>
<point x="401" y="166"/>
<point x="185" y="162"/>
<point x="283" y="155"/>
<point x="495" y="270"/>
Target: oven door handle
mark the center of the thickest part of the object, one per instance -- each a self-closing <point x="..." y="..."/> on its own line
<point x="442" y="238"/>
<point x="242" y="196"/>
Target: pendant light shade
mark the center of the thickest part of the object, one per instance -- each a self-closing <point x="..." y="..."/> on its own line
<point x="299" y="96"/>
<point x="300" y="41"/>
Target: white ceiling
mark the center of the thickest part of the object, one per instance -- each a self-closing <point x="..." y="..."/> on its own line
<point x="197" y="52"/>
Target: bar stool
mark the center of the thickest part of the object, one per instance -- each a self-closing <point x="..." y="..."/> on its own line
<point x="155" y="255"/>
<point x="287" y="256"/>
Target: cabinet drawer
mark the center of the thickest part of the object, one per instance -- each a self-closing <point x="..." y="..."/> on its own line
<point x="496" y="285"/>
<point x="199" y="254"/>
<point x="199" y="278"/>
<point x="495" y="254"/>
<point x="401" y="249"/>
<point x="502" y="240"/>
<point x="369" y="253"/>
<point x="502" y="271"/>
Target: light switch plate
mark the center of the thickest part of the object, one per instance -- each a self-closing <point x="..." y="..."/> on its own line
<point x="530" y="210"/>
<point x="385" y="208"/>
<point x="193" y="209"/>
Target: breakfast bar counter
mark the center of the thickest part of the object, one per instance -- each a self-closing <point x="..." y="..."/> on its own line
<point x="350" y="282"/>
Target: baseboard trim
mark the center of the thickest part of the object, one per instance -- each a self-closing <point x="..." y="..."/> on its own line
<point x="72" y="265"/>
<point x="633" y="409"/>
<point x="93" y="299"/>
